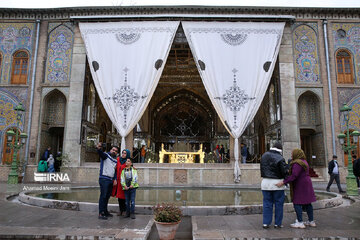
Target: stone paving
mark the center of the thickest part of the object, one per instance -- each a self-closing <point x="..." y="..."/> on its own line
<point x="340" y="222"/>
<point x="18" y="221"/>
<point x="22" y="221"/>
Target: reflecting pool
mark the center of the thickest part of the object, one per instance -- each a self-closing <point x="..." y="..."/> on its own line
<point x="180" y="196"/>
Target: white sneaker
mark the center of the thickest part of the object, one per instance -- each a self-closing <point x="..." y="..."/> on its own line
<point x="311" y="224"/>
<point x="298" y="225"/>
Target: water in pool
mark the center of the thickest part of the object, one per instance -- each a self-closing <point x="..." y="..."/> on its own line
<point x="179" y="196"/>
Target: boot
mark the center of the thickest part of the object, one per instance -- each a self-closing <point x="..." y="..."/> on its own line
<point x="127" y="215"/>
<point x="132" y="216"/>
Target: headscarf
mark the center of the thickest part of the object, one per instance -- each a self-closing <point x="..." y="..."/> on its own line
<point x="123" y="160"/>
<point x="297" y="155"/>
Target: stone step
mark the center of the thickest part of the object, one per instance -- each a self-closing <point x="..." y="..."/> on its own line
<point x="318" y="179"/>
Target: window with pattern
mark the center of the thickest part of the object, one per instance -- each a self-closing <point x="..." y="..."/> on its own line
<point x="344" y="67"/>
<point x="20" y="67"/>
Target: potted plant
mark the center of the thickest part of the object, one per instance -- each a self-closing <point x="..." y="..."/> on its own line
<point x="167" y="218"/>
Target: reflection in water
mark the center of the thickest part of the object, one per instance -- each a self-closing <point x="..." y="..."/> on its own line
<point x="178" y="195"/>
<point x="181" y="197"/>
<point x="237" y="197"/>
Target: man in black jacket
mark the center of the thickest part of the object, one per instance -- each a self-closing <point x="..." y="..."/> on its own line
<point x="273" y="170"/>
<point x="356" y="169"/>
<point x="333" y="170"/>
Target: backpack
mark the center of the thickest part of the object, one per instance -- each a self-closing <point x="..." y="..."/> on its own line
<point x="42" y="167"/>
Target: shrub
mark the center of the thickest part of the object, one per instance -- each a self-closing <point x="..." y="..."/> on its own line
<point x="167" y="212"/>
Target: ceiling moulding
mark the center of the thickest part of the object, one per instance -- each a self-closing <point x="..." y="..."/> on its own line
<point x="179" y="12"/>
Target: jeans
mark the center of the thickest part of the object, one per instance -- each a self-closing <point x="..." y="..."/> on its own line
<point x="51" y="168"/>
<point x="309" y="210"/>
<point x="130" y="200"/>
<point x="271" y="198"/>
<point x="335" y="177"/>
<point x="122" y="205"/>
<point x="105" y="193"/>
<point x="243" y="159"/>
<point x="142" y="159"/>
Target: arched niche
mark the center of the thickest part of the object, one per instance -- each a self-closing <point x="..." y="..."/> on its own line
<point x="53" y="122"/>
<point x="183" y="118"/>
<point x="59" y="54"/>
<point x="311" y="128"/>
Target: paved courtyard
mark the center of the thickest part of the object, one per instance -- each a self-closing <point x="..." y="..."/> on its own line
<point x="18" y="221"/>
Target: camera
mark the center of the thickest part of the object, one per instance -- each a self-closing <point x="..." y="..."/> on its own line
<point x="128" y="182"/>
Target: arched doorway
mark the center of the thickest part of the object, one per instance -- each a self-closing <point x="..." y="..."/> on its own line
<point x="183" y="120"/>
<point x="53" y="122"/>
<point x="311" y="129"/>
<point x="7" y="151"/>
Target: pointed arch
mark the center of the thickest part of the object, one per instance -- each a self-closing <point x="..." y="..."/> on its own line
<point x="306" y="56"/>
<point x="54" y="109"/>
<point x="183" y="116"/>
<point x="311" y="128"/>
<point x="309" y="109"/>
<point x="59" y="55"/>
<point x="53" y="121"/>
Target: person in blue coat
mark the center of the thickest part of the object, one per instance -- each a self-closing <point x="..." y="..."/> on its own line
<point x="107" y="178"/>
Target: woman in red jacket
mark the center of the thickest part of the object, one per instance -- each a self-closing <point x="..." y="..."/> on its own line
<point x="117" y="191"/>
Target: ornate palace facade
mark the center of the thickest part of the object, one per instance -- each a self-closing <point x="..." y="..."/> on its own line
<point x="43" y="65"/>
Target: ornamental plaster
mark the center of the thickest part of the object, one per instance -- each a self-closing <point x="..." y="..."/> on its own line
<point x="351" y="42"/>
<point x="14" y="37"/>
<point x="306" y="58"/>
<point x="59" y="55"/>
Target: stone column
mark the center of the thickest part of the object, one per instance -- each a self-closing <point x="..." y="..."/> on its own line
<point x="72" y="142"/>
<point x="232" y="155"/>
<point x="34" y="138"/>
<point x="129" y="141"/>
<point x="289" y="123"/>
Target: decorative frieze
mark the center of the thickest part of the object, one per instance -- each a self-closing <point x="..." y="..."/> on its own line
<point x="67" y="13"/>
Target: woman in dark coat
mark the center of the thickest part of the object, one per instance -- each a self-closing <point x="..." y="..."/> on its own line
<point x="301" y="189"/>
<point x="117" y="191"/>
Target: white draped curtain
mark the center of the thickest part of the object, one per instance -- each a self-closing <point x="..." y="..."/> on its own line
<point x="126" y="61"/>
<point x="235" y="61"/>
